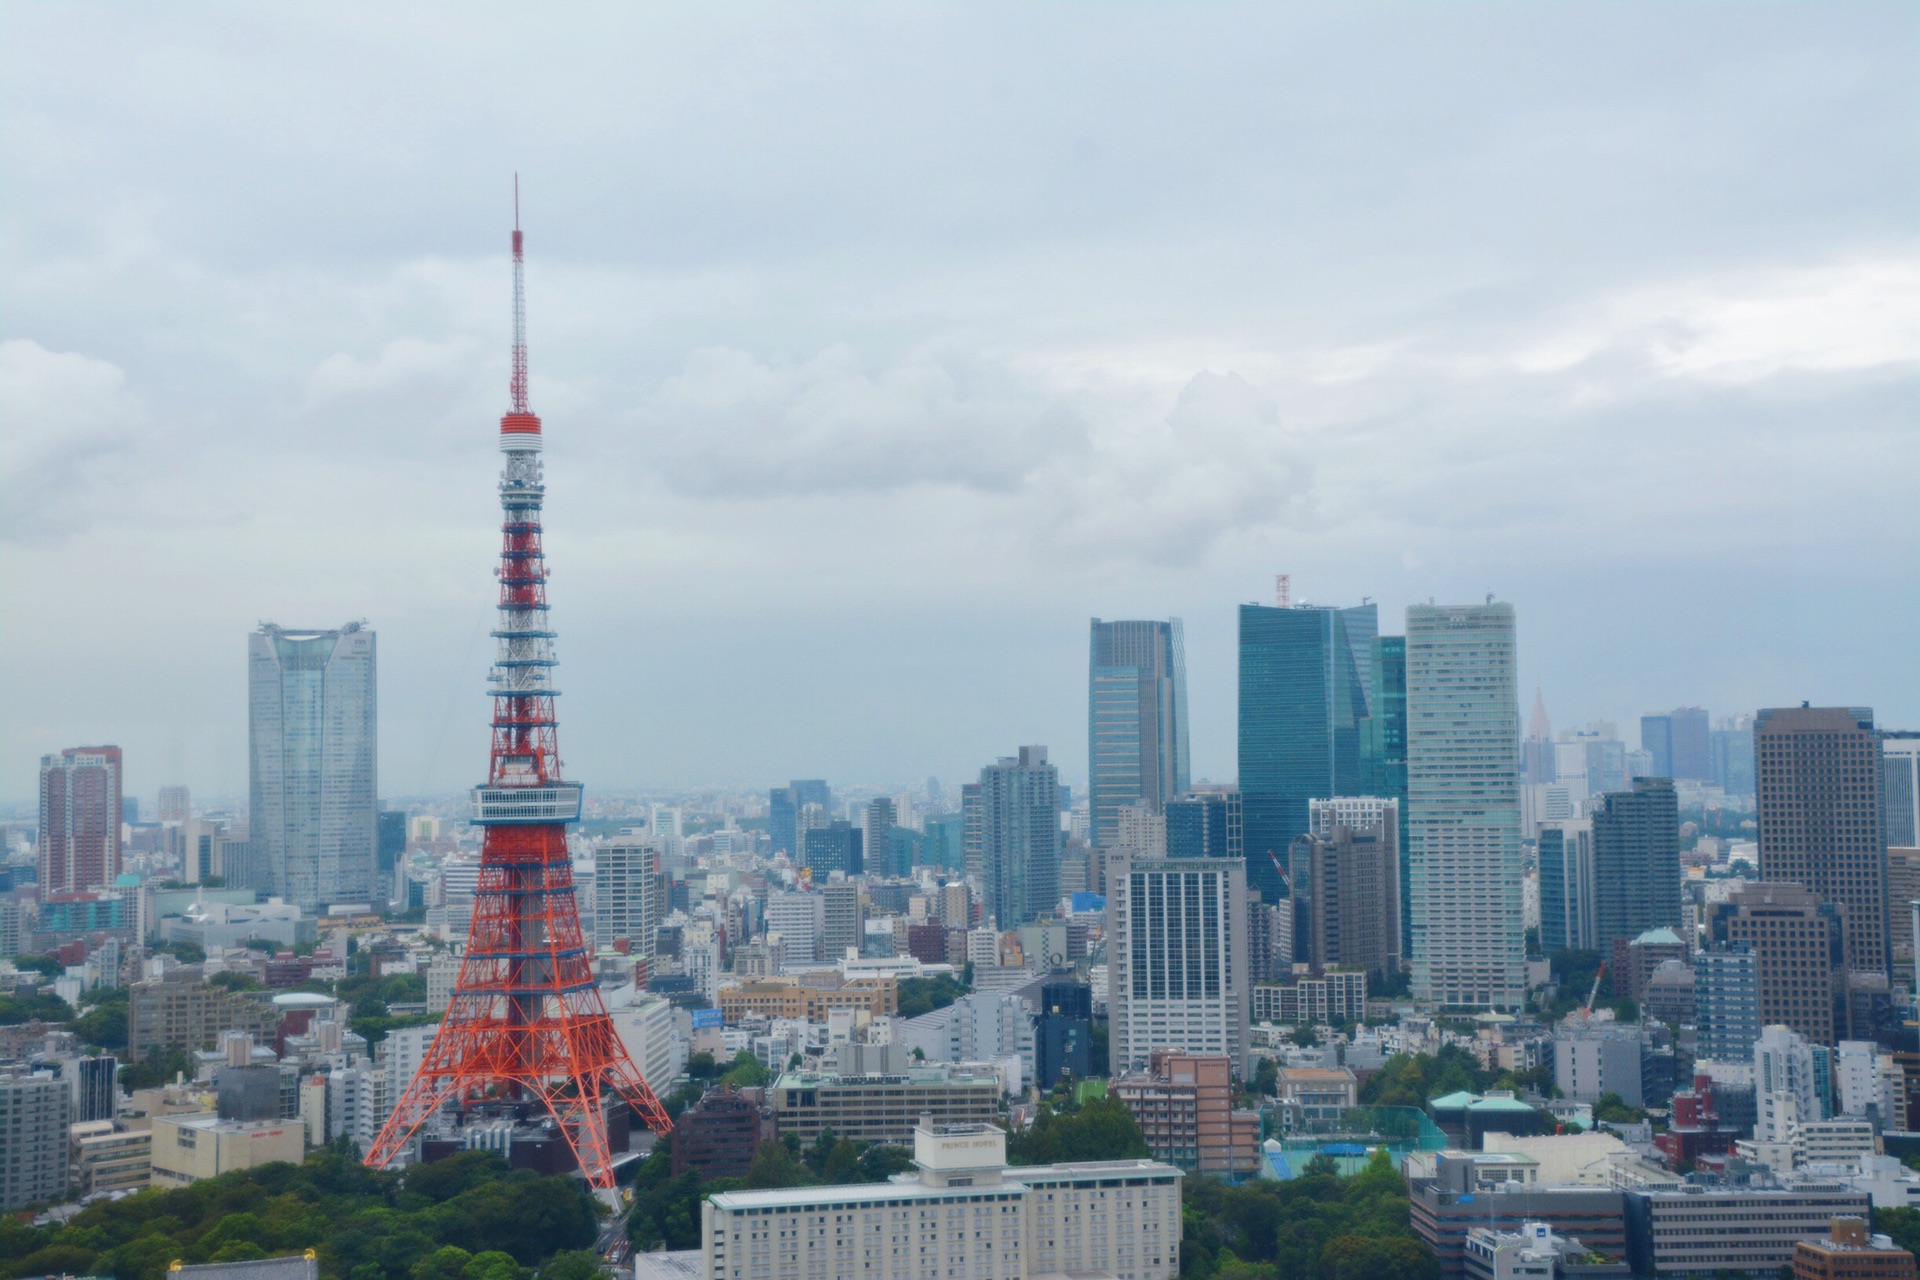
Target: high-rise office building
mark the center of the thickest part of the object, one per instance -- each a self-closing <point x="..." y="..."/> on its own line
<point x="945" y="844"/>
<point x="176" y="804"/>
<point x="80" y="820"/>
<point x="1537" y="760"/>
<point x="390" y="846"/>
<point x="1900" y="788"/>
<point x="1726" y="1001"/>
<point x="1730" y="756"/>
<point x="837" y="846"/>
<point x="1063" y="1032"/>
<point x="800" y="919"/>
<point x="1819" y="818"/>
<point x="1305" y="675"/>
<point x="1678" y="743"/>
<point x="876" y="843"/>
<point x="1636" y="862"/>
<point x="1345" y="875"/>
<point x="1012" y="821"/>
<point x="1567" y="888"/>
<point x="1136" y="720"/>
<point x="1797" y="943"/>
<point x="1206" y="824"/>
<point x="784" y="807"/>
<point x="842" y="921"/>
<point x="1463" y="781"/>
<point x="312" y="764"/>
<point x="1385" y="752"/>
<point x="1177" y="964"/>
<point x="627" y="894"/>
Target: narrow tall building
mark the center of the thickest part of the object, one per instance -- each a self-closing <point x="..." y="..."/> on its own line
<point x="1012" y="820"/>
<point x="1567" y="888"/>
<point x="1636" y="862"/>
<point x="1136" y="720"/>
<point x="1900" y="788"/>
<point x="1820" y="824"/>
<point x="1345" y="875"/>
<point x="1305" y="673"/>
<point x="627" y="897"/>
<point x="1177" y="964"/>
<point x="1463" y="782"/>
<point x="311" y="763"/>
<point x="876" y="842"/>
<point x="80" y="793"/>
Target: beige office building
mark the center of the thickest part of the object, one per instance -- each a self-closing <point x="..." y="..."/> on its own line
<point x="190" y="1148"/>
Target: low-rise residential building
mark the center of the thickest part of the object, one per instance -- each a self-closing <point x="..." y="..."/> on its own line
<point x="1312" y="1098"/>
<point x="786" y="998"/>
<point x="962" y="1213"/>
<point x="1709" y="1231"/>
<point x="1849" y="1252"/>
<point x="1448" y="1205"/>
<point x="108" y="1156"/>
<point x="181" y="1011"/>
<point x="883" y="1108"/>
<point x="189" y="1148"/>
<point x="1327" y="1000"/>
<point x="1536" y="1252"/>
<point x="1184" y="1106"/>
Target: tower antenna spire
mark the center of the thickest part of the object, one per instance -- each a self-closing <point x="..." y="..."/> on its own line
<point x="518" y="388"/>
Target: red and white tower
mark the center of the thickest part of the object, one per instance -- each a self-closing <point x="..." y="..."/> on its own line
<point x="526" y="1024"/>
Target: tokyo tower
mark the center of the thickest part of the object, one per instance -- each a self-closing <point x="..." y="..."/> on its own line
<point x="526" y="1024"/>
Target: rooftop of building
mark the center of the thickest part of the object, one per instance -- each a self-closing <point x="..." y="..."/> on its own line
<point x="937" y="1073"/>
<point x="296" y="1267"/>
<point x="907" y="1186"/>
<point x="1661" y="937"/>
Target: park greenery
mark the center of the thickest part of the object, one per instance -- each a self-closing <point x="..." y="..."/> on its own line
<point x="463" y="1218"/>
<point x="924" y="995"/>
<point x="1319" y="1226"/>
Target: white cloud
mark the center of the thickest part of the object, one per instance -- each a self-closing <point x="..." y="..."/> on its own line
<point x="65" y="415"/>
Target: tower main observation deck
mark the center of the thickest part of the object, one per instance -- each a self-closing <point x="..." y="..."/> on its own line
<point x="526" y="1024"/>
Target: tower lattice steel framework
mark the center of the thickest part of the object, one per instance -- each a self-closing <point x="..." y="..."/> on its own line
<point x="526" y="1023"/>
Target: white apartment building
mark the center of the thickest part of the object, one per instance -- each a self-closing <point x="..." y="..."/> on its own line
<point x="1177" y="968"/>
<point x="963" y="1214"/>
<point x="800" y="919"/>
<point x="626" y="894"/>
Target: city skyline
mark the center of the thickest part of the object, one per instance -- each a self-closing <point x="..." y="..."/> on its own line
<point x="1152" y="360"/>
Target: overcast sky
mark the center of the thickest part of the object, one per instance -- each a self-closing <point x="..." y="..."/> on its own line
<point x="881" y="347"/>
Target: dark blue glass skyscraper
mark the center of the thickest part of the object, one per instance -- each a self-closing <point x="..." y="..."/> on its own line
<point x="1136" y="720"/>
<point x="1304" y="677"/>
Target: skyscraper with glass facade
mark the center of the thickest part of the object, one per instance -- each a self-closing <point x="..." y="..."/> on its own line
<point x="1305" y="673"/>
<point x="1136" y="720"/>
<point x="311" y="763"/>
<point x="1012" y="821"/>
<point x="1463" y="783"/>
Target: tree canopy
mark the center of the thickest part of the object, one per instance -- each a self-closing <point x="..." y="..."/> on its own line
<point x="924" y="995"/>
<point x="1315" y="1227"/>
<point x="463" y="1218"/>
<point x="1098" y="1129"/>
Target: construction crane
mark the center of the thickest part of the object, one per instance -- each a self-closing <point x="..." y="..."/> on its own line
<point x="1586" y="1010"/>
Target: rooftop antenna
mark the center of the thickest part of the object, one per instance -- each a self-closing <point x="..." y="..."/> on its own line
<point x="1283" y="590"/>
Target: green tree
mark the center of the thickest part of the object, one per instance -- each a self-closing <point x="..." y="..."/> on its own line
<point x="774" y="1167"/>
<point x="572" y="1264"/>
<point x="1101" y="1129"/>
<point x="924" y="995"/>
<point x="448" y="1262"/>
